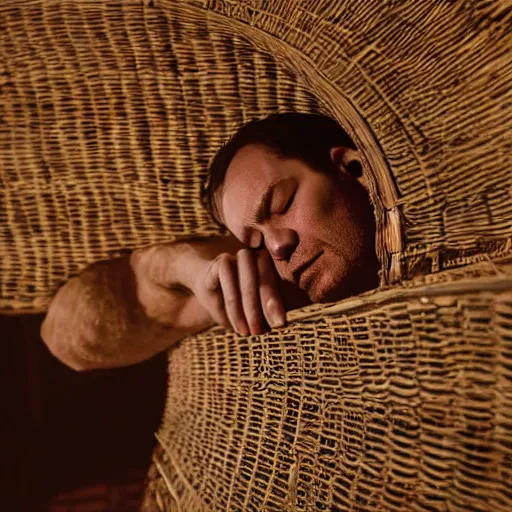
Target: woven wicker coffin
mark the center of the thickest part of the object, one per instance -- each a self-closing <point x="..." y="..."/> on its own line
<point x="399" y="399"/>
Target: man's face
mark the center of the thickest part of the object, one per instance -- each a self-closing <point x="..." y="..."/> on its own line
<point x="318" y="228"/>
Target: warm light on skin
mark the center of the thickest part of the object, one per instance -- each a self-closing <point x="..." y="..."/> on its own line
<point x="302" y="214"/>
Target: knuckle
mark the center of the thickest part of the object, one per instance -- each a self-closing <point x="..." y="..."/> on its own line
<point x="222" y="258"/>
<point x="232" y="303"/>
<point x="139" y="260"/>
<point x="135" y="257"/>
<point x="244" y="253"/>
<point x="225" y="261"/>
<point x="211" y="281"/>
<point x="220" y="261"/>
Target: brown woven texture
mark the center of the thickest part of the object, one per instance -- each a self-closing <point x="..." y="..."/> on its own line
<point x="111" y="110"/>
<point x="396" y="400"/>
<point x="110" y="114"/>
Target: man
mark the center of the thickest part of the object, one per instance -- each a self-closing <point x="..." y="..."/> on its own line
<point x="290" y="190"/>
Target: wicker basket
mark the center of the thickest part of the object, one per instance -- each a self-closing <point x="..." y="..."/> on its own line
<point x="396" y="400"/>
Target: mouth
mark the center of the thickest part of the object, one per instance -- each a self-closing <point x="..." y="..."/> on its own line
<point x="299" y="272"/>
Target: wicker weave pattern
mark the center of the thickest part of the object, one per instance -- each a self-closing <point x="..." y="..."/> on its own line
<point x="377" y="404"/>
<point x="400" y="399"/>
<point x="111" y="113"/>
<point x="112" y="110"/>
<point x="433" y="81"/>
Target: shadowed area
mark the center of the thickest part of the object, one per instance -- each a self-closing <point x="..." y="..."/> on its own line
<point x="73" y="441"/>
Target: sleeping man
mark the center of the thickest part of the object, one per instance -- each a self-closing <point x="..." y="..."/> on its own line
<point x="290" y="191"/>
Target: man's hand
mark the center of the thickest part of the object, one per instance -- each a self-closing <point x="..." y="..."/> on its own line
<point x="237" y="287"/>
<point x="122" y="311"/>
<point x="242" y="291"/>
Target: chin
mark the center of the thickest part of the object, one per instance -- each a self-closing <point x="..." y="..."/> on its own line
<point x="332" y="289"/>
<point x="327" y="292"/>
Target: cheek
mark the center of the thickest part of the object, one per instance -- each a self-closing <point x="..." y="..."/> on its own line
<point x="317" y="210"/>
<point x="329" y="217"/>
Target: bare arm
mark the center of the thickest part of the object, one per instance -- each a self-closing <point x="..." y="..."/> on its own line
<point x="112" y="314"/>
<point x="123" y="311"/>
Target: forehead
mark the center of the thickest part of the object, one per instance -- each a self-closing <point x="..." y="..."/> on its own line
<point x="251" y="171"/>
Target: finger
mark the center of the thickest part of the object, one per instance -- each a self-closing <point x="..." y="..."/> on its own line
<point x="216" y="306"/>
<point x="232" y="301"/>
<point x="249" y="289"/>
<point x="217" y="310"/>
<point x="212" y="282"/>
<point x="270" y="299"/>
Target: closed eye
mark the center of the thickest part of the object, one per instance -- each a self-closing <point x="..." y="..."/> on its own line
<point x="278" y="208"/>
<point x="288" y="204"/>
<point x="282" y="212"/>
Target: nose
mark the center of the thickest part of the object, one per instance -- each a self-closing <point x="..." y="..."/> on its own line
<point x="280" y="242"/>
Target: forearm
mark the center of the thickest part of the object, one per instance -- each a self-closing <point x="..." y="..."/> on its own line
<point x="110" y="316"/>
<point x="122" y="311"/>
<point x="177" y="265"/>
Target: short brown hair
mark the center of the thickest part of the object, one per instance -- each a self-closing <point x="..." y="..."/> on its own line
<point x="307" y="137"/>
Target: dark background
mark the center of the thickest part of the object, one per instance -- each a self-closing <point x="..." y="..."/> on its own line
<point x="73" y="441"/>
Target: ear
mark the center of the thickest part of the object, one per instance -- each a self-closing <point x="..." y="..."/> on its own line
<point x="347" y="161"/>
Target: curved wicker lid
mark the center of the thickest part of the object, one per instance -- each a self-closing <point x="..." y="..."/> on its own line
<point x="112" y="110"/>
<point x="111" y="113"/>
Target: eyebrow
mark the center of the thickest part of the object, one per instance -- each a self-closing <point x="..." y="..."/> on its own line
<point x="264" y="205"/>
<point x="263" y="208"/>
